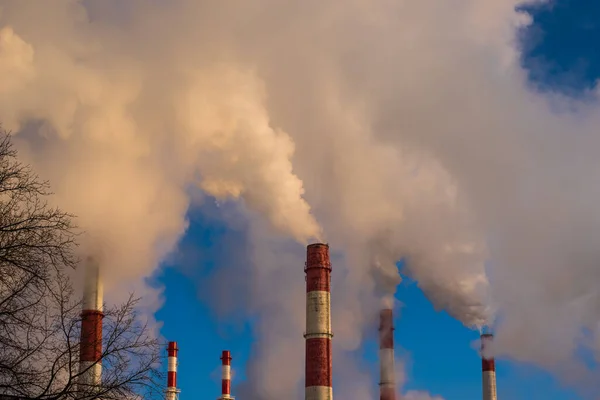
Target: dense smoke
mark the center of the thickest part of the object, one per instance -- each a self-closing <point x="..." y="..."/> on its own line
<point x="120" y="144"/>
<point x="407" y="126"/>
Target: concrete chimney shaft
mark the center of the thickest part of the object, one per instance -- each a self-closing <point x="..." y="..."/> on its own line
<point x="225" y="376"/>
<point x="90" y="350"/>
<point x="387" y="385"/>
<point x="172" y="393"/>
<point x="318" y="382"/>
<point x="488" y="368"/>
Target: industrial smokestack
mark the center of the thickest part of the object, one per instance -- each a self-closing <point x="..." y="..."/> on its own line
<point x="172" y="393"/>
<point x="318" y="323"/>
<point x="226" y="376"/>
<point x="90" y="350"/>
<point x="387" y="385"/>
<point x="488" y="368"/>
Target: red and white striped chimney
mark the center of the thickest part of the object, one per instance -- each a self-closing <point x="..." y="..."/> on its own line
<point x="488" y="368"/>
<point x="387" y="385"/>
<point x="318" y="323"/>
<point x="172" y="393"/>
<point x="90" y="345"/>
<point x="226" y="376"/>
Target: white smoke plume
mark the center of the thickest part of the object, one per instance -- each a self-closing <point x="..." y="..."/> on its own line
<point x="410" y="121"/>
<point x="120" y="148"/>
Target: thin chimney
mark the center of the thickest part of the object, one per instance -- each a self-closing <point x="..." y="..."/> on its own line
<point x="90" y="353"/>
<point x="488" y="368"/>
<point x="387" y="385"/>
<point x="172" y="393"/>
<point x="226" y="376"/>
<point x="318" y="323"/>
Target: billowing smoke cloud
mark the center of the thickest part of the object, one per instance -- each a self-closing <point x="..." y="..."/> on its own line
<point x="120" y="148"/>
<point x="407" y="126"/>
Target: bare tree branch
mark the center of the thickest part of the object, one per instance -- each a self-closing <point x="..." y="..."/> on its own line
<point x="40" y="322"/>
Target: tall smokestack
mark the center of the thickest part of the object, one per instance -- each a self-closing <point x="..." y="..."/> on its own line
<point x="90" y="350"/>
<point x="172" y="393"/>
<point x="318" y="323"/>
<point x="226" y="376"/>
<point x="488" y="368"/>
<point x="387" y="385"/>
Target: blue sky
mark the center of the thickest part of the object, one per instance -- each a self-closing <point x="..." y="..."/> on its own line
<point x="561" y="53"/>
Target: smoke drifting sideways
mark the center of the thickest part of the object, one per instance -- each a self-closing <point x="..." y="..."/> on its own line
<point x="121" y="147"/>
<point x="407" y="126"/>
